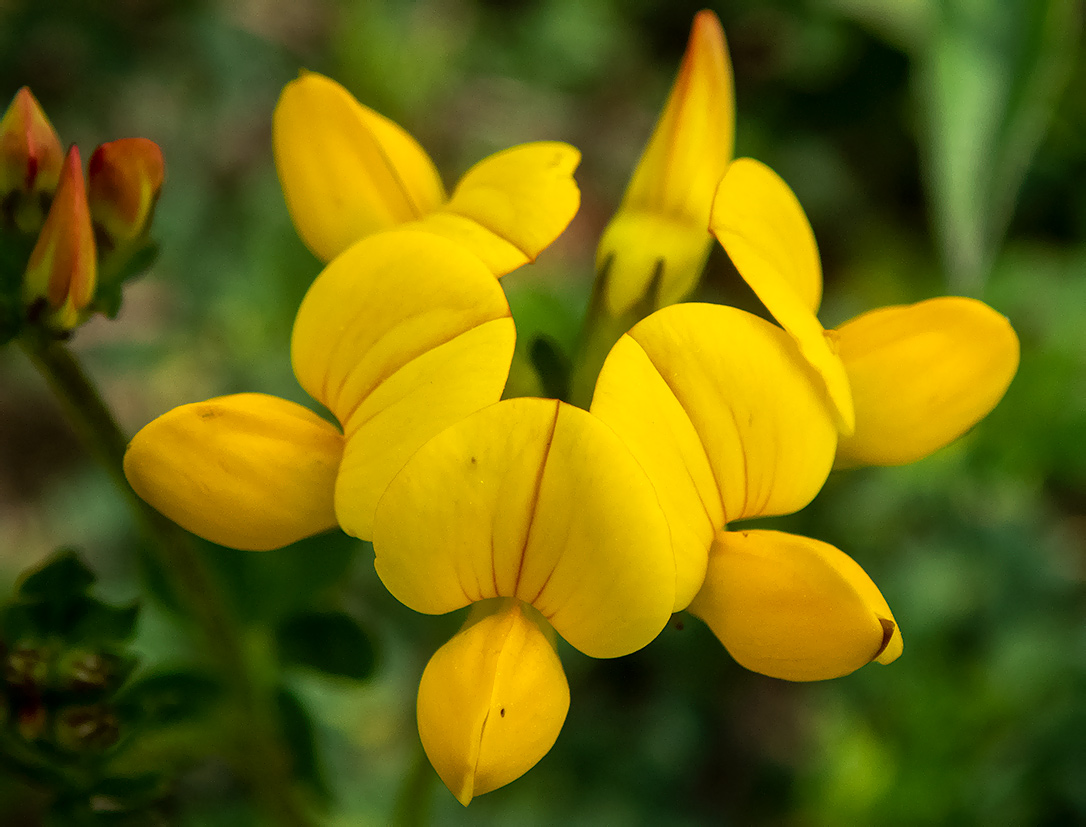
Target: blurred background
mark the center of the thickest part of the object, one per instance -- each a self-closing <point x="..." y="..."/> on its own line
<point x="938" y="146"/>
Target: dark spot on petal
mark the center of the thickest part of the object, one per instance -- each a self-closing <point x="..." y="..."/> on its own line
<point x="503" y="711"/>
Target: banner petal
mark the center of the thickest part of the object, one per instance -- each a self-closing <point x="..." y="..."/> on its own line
<point x="346" y="170"/>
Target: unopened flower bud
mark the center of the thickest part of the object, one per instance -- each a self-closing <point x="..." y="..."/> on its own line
<point x="63" y="267"/>
<point x="26" y="669"/>
<point x="87" y="672"/>
<point x="124" y="180"/>
<point x="30" y="151"/>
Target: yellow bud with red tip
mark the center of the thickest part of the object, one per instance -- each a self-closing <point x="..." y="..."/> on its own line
<point x="63" y="267"/>
<point x="124" y="180"/>
<point x="30" y="151"/>
<point x="30" y="160"/>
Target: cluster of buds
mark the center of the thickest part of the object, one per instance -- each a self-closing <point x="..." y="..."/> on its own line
<point x="68" y="241"/>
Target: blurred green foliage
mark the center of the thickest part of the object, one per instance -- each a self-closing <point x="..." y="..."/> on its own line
<point x="938" y="146"/>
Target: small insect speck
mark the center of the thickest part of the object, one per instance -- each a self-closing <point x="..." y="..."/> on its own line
<point x="503" y="711"/>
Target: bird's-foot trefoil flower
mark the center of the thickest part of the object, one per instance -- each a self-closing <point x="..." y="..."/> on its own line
<point x="348" y="171"/>
<point x="653" y="251"/>
<point x="536" y="512"/>
<point x="903" y="381"/>
<point x="399" y="337"/>
<point x="730" y="423"/>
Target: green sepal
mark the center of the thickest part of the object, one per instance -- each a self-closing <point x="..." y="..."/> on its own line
<point x="119" y="268"/>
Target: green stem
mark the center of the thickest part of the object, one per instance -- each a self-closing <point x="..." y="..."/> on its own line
<point x="261" y="755"/>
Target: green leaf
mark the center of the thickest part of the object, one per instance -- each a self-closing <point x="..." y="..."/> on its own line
<point x="992" y="73"/>
<point x="170" y="698"/>
<point x="267" y="587"/>
<point x="63" y="574"/>
<point x="104" y="624"/>
<point x="298" y="732"/>
<point x="330" y="642"/>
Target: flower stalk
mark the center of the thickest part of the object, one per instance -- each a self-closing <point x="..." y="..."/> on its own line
<point x="260" y="755"/>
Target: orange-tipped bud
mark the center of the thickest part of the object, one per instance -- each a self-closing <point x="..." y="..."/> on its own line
<point x="125" y="179"/>
<point x="63" y="267"/>
<point x="30" y="151"/>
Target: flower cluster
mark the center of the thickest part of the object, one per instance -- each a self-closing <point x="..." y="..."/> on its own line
<point x="545" y="518"/>
<point x="69" y="241"/>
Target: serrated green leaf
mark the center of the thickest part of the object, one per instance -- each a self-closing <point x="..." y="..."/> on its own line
<point x="330" y="642"/>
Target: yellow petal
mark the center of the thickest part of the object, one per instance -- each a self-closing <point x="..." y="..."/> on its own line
<point x="249" y="471"/>
<point x="693" y="140"/>
<point x="400" y="336"/>
<point x="663" y="220"/>
<point x="535" y="499"/>
<point x="434" y="390"/>
<point x="794" y="608"/>
<point x="346" y="171"/>
<point x="509" y="207"/>
<point x="493" y="699"/>
<point x="922" y="375"/>
<point x="764" y="230"/>
<point x="722" y="413"/>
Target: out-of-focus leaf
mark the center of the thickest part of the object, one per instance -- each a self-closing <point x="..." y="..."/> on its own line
<point x="992" y="71"/>
<point x="553" y="367"/>
<point x="330" y="642"/>
<point x="267" y="587"/>
<point x="297" y="729"/>
<point x="170" y="698"/>
<point x="62" y="575"/>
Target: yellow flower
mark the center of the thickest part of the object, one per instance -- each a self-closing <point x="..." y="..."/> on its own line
<point x="62" y="271"/>
<point x="536" y="512"/>
<point x="729" y="422"/>
<point x="659" y="236"/>
<point x="394" y="359"/>
<point x="903" y="381"/>
<point x="348" y="171"/>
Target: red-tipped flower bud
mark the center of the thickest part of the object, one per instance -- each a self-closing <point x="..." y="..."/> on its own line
<point x="30" y="151"/>
<point x="63" y="267"/>
<point x="124" y="179"/>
